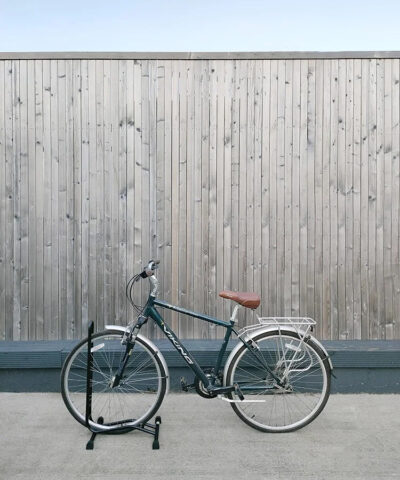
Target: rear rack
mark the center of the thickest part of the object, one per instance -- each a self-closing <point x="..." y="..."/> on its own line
<point x="302" y="325"/>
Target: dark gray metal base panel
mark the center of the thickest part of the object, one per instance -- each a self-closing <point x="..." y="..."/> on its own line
<point x="360" y="366"/>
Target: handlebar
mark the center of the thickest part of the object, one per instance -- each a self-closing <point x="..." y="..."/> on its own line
<point x="150" y="269"/>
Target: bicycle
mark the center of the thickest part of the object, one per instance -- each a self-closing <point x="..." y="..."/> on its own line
<point x="277" y="378"/>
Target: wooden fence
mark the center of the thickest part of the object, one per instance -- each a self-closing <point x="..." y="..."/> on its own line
<point x="272" y="173"/>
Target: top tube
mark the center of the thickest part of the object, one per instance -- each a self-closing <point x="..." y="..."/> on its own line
<point x="202" y="316"/>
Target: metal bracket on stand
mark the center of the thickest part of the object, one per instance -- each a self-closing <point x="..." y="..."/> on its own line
<point x="115" y="427"/>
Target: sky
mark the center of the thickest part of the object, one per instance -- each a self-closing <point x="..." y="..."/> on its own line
<point x="199" y="26"/>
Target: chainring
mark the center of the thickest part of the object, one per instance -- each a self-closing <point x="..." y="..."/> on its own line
<point x="201" y="389"/>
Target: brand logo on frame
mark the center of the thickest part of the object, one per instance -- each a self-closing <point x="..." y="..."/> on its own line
<point x="177" y="345"/>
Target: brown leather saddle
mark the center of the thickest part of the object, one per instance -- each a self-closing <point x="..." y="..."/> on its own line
<point x="246" y="299"/>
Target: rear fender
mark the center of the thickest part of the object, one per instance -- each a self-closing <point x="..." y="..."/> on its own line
<point x="271" y="328"/>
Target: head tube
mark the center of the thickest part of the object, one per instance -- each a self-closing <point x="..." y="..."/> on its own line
<point x="154" y="285"/>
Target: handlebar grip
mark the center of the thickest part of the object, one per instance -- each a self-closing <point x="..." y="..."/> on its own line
<point x="149" y="270"/>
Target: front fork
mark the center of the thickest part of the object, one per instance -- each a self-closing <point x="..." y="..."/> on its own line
<point x="128" y="340"/>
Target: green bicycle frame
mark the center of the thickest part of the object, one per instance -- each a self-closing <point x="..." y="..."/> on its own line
<point x="150" y="311"/>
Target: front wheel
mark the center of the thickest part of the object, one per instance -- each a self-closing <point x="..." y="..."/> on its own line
<point x="294" y="400"/>
<point x="136" y="398"/>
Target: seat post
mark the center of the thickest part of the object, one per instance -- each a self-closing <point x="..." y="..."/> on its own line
<point x="234" y="314"/>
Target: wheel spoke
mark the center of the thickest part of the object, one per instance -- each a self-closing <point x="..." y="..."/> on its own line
<point x="300" y="395"/>
<point x="135" y="399"/>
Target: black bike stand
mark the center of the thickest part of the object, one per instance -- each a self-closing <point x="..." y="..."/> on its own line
<point x="115" y="427"/>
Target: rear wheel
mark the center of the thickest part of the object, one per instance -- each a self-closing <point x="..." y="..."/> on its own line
<point x="302" y="368"/>
<point x="137" y="397"/>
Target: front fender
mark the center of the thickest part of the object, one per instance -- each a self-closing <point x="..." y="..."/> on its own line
<point x="150" y="344"/>
<point x="256" y="332"/>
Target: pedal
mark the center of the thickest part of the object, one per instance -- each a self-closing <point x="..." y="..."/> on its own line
<point x="238" y="392"/>
<point x="185" y="387"/>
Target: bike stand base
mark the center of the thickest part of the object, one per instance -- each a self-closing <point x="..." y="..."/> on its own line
<point x="156" y="443"/>
<point x="146" y="427"/>
<point x="115" y="427"/>
<point x="90" y="443"/>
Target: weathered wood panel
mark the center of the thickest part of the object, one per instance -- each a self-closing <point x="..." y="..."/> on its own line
<point x="278" y="175"/>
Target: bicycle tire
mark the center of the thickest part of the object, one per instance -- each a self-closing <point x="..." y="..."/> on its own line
<point x="253" y="379"/>
<point x="133" y="402"/>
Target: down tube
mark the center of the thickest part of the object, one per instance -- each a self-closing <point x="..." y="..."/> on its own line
<point x="152" y="312"/>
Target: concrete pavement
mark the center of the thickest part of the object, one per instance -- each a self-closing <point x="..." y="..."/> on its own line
<point x="355" y="437"/>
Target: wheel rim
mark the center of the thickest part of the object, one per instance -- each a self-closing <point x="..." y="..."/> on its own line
<point x="132" y="402"/>
<point x="287" y="408"/>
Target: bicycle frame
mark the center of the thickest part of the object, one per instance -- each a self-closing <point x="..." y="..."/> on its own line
<point x="150" y="311"/>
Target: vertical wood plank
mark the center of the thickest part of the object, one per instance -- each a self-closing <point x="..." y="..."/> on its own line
<point x="85" y="196"/>
<point x="265" y="184"/>
<point x="349" y="199"/>
<point x="212" y="192"/>
<point x="219" y="193"/>
<point x="39" y="166"/>
<point x="16" y="188"/>
<point x="175" y="190"/>
<point x="9" y="200"/>
<point x="387" y="204"/>
<point x="205" y="170"/>
<point x="108" y="162"/>
<point x="326" y="213"/>
<point x="295" y="188"/>
<point x="235" y="178"/>
<point x="191" y="220"/>
<point x="77" y="152"/>
<point x="47" y="207"/>
<point x="258" y="134"/>
<point x="356" y="267"/>
<point x="227" y="178"/>
<point x="272" y="279"/>
<point x="122" y="192"/>
<point x="341" y="201"/>
<point x="167" y="226"/>
<point x="373" y="327"/>
<point x="243" y="115"/>
<point x="364" y="200"/>
<point x="101" y="246"/>
<point x="130" y="180"/>
<point x="280" y="189"/>
<point x="182" y="199"/>
<point x="311" y="108"/>
<point x="152" y="138"/>
<point x="54" y="192"/>
<point x="62" y="197"/>
<point x="303" y="231"/>
<point x="333" y="198"/>
<point x="92" y="193"/>
<point x="114" y="189"/>
<point x="250" y="171"/>
<point x="70" y="165"/>
<point x="320" y="87"/>
<point x="152" y="156"/>
<point x="395" y="204"/>
<point x="161" y="173"/>
<point x="198" y="274"/>
<point x="2" y="204"/>
<point x="288" y="193"/>
<point x="380" y="195"/>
